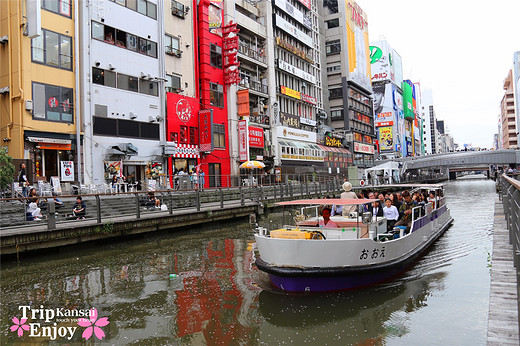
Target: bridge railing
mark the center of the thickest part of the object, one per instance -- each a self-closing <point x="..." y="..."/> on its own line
<point x="509" y="190"/>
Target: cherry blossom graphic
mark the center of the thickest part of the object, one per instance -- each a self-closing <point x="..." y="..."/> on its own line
<point x="93" y="326"/>
<point x="19" y="325"/>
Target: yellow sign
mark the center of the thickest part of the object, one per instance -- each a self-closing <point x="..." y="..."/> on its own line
<point x="290" y="92"/>
<point x="358" y="45"/>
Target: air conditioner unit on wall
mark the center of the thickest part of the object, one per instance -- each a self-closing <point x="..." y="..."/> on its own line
<point x="28" y="105"/>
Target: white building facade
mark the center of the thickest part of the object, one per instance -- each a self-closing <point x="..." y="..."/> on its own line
<point x="121" y="88"/>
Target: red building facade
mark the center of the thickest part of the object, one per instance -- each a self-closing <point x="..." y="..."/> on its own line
<point x="187" y="119"/>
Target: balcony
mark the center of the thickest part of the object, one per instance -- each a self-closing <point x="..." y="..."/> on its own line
<point x="257" y="54"/>
<point x="173" y="51"/>
<point x="170" y="89"/>
<point x="254" y="85"/>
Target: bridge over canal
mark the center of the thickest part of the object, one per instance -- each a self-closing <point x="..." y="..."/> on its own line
<point x="463" y="161"/>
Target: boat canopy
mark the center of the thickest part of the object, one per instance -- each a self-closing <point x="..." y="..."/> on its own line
<point x="329" y="201"/>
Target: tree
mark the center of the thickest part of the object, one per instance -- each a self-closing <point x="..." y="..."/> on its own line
<point x="6" y="169"/>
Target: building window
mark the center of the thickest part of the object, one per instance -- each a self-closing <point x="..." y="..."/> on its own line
<point x="193" y="135"/>
<point x="336" y="114"/>
<point x="332" y="47"/>
<point x="123" y="39"/>
<point x="219" y="136"/>
<point x="184" y="134"/>
<point x="142" y="6"/>
<point x="335" y="68"/>
<point x="128" y="83"/>
<point x="333" y="23"/>
<point x="52" y="49"/>
<point x="52" y="103"/>
<point x="173" y="84"/>
<point x="216" y="55"/>
<point x="124" y="82"/>
<point x="125" y="128"/>
<point x="103" y="77"/>
<point x="216" y="95"/>
<point x="62" y="7"/>
<point x="335" y="93"/>
<point x="172" y="46"/>
<point x="178" y="9"/>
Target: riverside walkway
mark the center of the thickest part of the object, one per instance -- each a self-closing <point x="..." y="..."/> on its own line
<point x="125" y="214"/>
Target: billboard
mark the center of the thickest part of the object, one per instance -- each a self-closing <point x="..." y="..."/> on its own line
<point x="386" y="138"/>
<point x="215" y="15"/>
<point x="256" y="137"/>
<point x="408" y="100"/>
<point x="396" y="67"/>
<point x="383" y="103"/>
<point x="357" y="45"/>
<point x="380" y="62"/>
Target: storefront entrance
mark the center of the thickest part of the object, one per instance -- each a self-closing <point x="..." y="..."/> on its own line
<point x="214" y="175"/>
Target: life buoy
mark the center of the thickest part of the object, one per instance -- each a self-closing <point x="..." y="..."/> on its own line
<point x="362" y="182"/>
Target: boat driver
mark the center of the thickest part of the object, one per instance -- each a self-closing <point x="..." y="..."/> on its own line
<point x="327" y="222"/>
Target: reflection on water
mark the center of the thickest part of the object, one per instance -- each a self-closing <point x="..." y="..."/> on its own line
<point x="219" y="297"/>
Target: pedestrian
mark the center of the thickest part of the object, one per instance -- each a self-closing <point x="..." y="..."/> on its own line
<point x="201" y="178"/>
<point x="22" y="180"/>
<point x="79" y="209"/>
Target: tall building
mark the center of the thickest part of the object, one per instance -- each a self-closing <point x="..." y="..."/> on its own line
<point x="387" y="79"/>
<point x="507" y="111"/>
<point x="122" y="83"/>
<point x="429" y="122"/>
<point x="38" y="112"/>
<point x="516" y="89"/>
<point x="296" y="63"/>
<point x="349" y="77"/>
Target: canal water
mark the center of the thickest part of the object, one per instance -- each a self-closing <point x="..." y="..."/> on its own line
<point x="199" y="287"/>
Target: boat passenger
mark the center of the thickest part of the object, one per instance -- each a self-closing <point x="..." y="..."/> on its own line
<point x="348" y="194"/>
<point x="405" y="212"/>
<point x="327" y="222"/>
<point x="391" y="213"/>
<point x="432" y="199"/>
<point x="336" y="210"/>
<point x="377" y="210"/>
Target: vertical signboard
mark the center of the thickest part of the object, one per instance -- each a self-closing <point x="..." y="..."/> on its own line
<point x="408" y="100"/>
<point x="67" y="170"/>
<point x="243" y="102"/>
<point x="242" y="140"/>
<point x="206" y="130"/>
<point x="215" y="13"/>
<point x="386" y="138"/>
<point x="230" y="48"/>
<point x="380" y="62"/>
<point x="357" y="45"/>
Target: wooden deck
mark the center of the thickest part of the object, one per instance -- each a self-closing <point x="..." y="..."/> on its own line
<point x="503" y="328"/>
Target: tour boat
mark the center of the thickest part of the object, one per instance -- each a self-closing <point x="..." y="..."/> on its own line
<point x="359" y="252"/>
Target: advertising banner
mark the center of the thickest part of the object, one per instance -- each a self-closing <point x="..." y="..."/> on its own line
<point x="215" y="13"/>
<point x="408" y="100"/>
<point x="380" y="62"/>
<point x="386" y="140"/>
<point x="293" y="31"/>
<point x="357" y="45"/>
<point x="112" y="168"/>
<point x="383" y="102"/>
<point x="206" y="130"/>
<point x="256" y="137"/>
<point x="295" y="13"/>
<point x="363" y="148"/>
<point x="290" y="92"/>
<point x="396" y="68"/>
<point x="299" y="135"/>
<point x="290" y="120"/>
<point x="242" y="141"/>
<point x="67" y="170"/>
<point x="282" y="65"/>
<point x="243" y="102"/>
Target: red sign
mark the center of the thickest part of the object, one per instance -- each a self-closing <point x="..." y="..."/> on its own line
<point x="384" y="123"/>
<point x="205" y="130"/>
<point x="256" y="137"/>
<point x="242" y="140"/>
<point x="306" y="3"/>
<point x="230" y="48"/>
<point x="308" y="99"/>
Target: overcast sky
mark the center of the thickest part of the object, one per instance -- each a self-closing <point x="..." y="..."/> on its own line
<point x="460" y="49"/>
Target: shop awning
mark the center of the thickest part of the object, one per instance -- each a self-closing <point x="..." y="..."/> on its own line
<point x="334" y="149"/>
